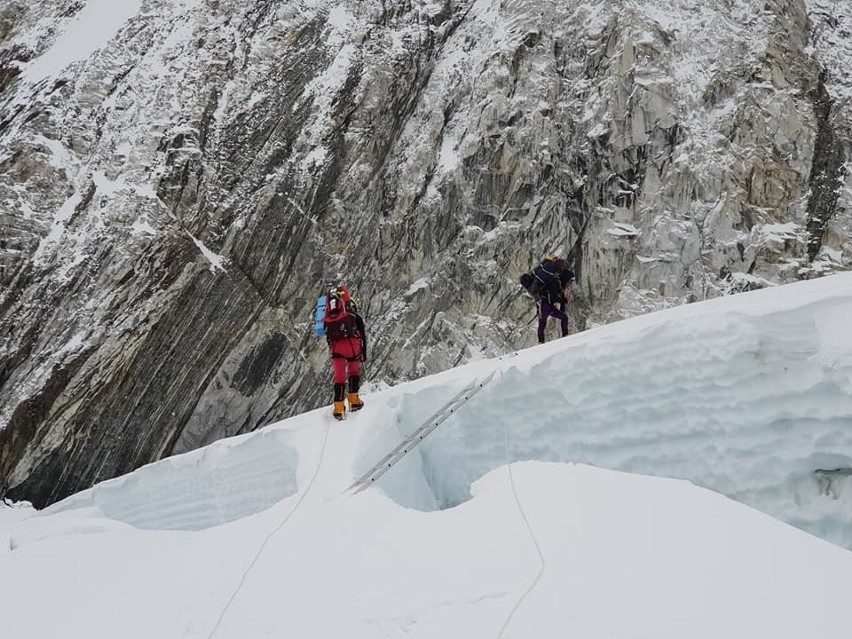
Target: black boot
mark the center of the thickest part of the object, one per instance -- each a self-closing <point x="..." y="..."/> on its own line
<point x="339" y="392"/>
<point x="339" y="411"/>
<point x="355" y="402"/>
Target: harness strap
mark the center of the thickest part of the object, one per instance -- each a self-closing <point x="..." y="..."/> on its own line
<point x="339" y="356"/>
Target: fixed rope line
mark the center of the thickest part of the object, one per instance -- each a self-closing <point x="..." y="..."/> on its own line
<point x="542" y="562"/>
<point x="270" y="535"/>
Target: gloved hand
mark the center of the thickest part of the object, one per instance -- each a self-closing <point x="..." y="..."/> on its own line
<point x="363" y="352"/>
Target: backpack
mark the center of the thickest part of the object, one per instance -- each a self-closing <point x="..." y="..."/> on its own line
<point x="338" y="318"/>
<point x="532" y="285"/>
<point x="538" y="281"/>
<point x="323" y="303"/>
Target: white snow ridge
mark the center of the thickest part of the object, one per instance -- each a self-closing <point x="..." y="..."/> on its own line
<point x="568" y="498"/>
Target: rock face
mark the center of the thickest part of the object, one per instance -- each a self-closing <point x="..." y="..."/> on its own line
<point x="179" y="183"/>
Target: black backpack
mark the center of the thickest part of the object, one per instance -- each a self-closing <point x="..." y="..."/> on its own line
<point x="537" y="281"/>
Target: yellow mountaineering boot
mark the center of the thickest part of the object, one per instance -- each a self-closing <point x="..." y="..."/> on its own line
<point x="355" y="402"/>
<point x="339" y="411"/>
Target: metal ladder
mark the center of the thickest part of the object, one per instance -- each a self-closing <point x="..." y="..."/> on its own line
<point x="407" y="445"/>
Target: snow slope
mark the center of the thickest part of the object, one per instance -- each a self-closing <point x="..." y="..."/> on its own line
<point x="256" y="536"/>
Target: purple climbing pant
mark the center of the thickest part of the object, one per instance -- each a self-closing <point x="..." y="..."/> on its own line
<point x="546" y="310"/>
